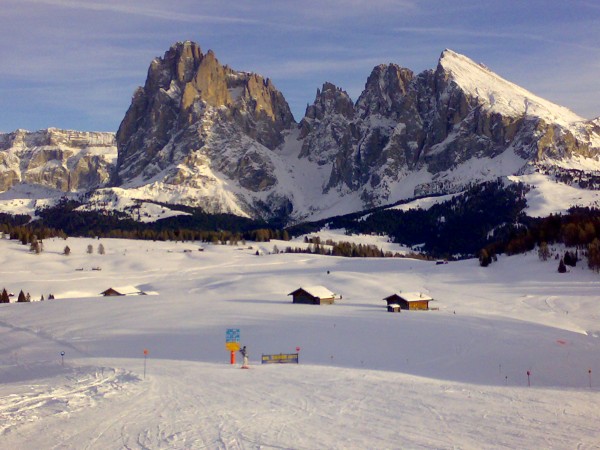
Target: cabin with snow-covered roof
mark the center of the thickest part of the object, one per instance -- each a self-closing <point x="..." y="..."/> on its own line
<point x="314" y="295"/>
<point x="122" y="290"/>
<point x="408" y="300"/>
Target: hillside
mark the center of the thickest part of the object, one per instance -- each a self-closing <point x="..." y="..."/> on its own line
<point x="449" y="378"/>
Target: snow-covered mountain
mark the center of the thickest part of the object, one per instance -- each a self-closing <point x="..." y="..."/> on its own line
<point x="205" y="127"/>
<point x="228" y="142"/>
<point x="202" y="134"/>
<point x="443" y="129"/>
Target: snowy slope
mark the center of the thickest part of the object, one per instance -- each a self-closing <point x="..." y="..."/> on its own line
<point x="501" y="95"/>
<point x="510" y="100"/>
<point x="451" y="378"/>
<point x="549" y="197"/>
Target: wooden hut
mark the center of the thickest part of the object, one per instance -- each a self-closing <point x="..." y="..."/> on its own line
<point x="313" y="295"/>
<point x="123" y="290"/>
<point x="409" y="300"/>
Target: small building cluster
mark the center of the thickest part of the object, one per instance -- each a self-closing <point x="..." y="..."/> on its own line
<point x="320" y="295"/>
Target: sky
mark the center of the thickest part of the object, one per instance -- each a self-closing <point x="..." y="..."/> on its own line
<point x="74" y="64"/>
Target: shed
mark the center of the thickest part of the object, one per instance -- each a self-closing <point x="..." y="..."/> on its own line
<point x="393" y="307"/>
<point x="409" y="300"/>
<point x="122" y="290"/>
<point x="314" y="295"/>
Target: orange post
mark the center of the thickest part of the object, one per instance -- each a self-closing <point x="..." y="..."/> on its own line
<point x="232" y="357"/>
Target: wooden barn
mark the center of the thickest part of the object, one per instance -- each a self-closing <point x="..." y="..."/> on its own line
<point x="409" y="300"/>
<point x="123" y="290"/>
<point x="314" y="295"/>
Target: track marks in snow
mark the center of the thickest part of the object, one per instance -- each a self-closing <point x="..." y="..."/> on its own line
<point x="80" y="388"/>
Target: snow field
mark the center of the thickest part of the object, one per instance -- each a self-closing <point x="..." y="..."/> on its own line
<point x="452" y="378"/>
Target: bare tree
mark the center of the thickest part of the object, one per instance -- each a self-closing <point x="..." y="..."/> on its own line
<point x="543" y="251"/>
<point x="35" y="246"/>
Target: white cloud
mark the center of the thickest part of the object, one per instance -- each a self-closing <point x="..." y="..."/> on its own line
<point x="143" y="9"/>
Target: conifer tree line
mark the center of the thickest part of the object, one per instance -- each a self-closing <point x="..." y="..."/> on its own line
<point x="456" y="228"/>
<point x="33" y="234"/>
<point x="347" y="249"/>
<point x="21" y="298"/>
<point x="63" y="220"/>
<point x="578" y="229"/>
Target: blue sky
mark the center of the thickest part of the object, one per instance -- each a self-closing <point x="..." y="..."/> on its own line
<point x="75" y="64"/>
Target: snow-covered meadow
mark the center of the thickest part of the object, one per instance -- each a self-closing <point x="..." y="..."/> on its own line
<point x="455" y="377"/>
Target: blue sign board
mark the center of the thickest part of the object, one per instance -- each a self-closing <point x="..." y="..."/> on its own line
<point x="232" y="335"/>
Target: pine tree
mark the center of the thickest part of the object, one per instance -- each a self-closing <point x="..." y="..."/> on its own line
<point x="570" y="259"/>
<point x="21" y="298"/>
<point x="28" y="297"/>
<point x="90" y="249"/>
<point x="101" y="249"/>
<point x="4" y="298"/>
<point x="561" y="266"/>
<point x="67" y="250"/>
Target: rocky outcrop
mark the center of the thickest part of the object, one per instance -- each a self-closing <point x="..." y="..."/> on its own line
<point x="196" y="120"/>
<point x="59" y="159"/>
<point x="192" y="108"/>
<point x="327" y="129"/>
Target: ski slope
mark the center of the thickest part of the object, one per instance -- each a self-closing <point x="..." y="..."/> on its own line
<point x="448" y="378"/>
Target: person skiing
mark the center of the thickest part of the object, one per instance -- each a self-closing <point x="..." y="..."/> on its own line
<point x="244" y="353"/>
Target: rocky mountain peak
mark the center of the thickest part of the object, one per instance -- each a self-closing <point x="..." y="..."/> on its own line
<point x="384" y="90"/>
<point x="493" y="92"/>
<point x="187" y="96"/>
<point x="326" y="126"/>
<point x="330" y="100"/>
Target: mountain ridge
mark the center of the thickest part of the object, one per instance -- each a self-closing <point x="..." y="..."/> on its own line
<point x="202" y="134"/>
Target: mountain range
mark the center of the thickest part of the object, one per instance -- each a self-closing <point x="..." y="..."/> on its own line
<point x="201" y="134"/>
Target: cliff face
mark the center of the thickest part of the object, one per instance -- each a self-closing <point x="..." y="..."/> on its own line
<point x="64" y="160"/>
